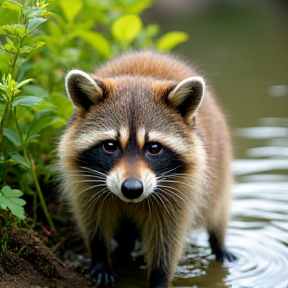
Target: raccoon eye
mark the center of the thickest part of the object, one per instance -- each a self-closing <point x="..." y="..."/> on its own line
<point x="110" y="146"/>
<point x="154" y="148"/>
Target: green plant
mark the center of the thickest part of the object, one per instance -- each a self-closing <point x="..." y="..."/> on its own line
<point x="3" y="242"/>
<point x="38" y="43"/>
<point x="17" y="131"/>
<point x="10" y="198"/>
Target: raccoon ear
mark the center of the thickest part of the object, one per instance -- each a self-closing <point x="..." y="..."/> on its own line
<point x="82" y="89"/>
<point x="187" y="96"/>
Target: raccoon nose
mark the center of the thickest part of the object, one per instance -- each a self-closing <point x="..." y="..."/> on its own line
<point x="132" y="188"/>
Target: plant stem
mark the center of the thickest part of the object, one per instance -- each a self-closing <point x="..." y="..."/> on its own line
<point x="2" y="123"/>
<point x="16" y="55"/>
<point x="20" y="134"/>
<point x="40" y="195"/>
<point x="33" y="171"/>
<point x="4" y="114"/>
<point x="5" y="168"/>
<point x="34" y="207"/>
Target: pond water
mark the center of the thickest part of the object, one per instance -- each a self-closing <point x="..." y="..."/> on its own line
<point x="242" y="48"/>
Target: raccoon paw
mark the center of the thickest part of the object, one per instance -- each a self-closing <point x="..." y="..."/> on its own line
<point x="103" y="276"/>
<point x="223" y="255"/>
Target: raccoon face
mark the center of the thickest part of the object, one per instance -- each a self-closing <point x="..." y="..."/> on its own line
<point x="132" y="131"/>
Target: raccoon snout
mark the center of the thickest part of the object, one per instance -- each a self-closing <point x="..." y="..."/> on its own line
<point x="132" y="188"/>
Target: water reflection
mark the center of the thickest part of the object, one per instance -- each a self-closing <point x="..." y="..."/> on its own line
<point x="246" y="166"/>
<point x="262" y="132"/>
<point x="263" y="261"/>
<point x="261" y="201"/>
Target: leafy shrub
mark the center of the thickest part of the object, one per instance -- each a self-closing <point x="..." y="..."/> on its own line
<point x="40" y="40"/>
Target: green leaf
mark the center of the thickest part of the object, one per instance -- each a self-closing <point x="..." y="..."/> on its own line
<point x="35" y="90"/>
<point x="11" y="193"/>
<point x="24" y="51"/>
<point x="16" y="157"/>
<point x="71" y="54"/>
<point x="24" y="82"/>
<point x="15" y="208"/>
<point x="1" y="131"/>
<point x="18" y="201"/>
<point x="5" y="189"/>
<point x="11" y="4"/>
<point x="41" y="121"/>
<point x="12" y="136"/>
<point x="28" y="101"/>
<point x="34" y="23"/>
<point x="126" y="28"/>
<point x="19" y="30"/>
<point x="10" y="198"/>
<point x="2" y="206"/>
<point x="98" y="42"/>
<point x="171" y="39"/>
<point x="4" y="240"/>
<point x="139" y="6"/>
<point x="39" y="10"/>
<point x="70" y="8"/>
<point x="10" y="46"/>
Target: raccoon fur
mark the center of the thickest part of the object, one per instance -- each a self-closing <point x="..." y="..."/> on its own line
<point x="147" y="148"/>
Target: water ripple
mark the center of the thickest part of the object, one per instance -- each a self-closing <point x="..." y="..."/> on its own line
<point x="257" y="235"/>
<point x="263" y="261"/>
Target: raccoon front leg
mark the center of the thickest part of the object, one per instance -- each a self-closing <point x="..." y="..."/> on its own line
<point x="218" y="248"/>
<point x="162" y="264"/>
<point x="101" y="271"/>
<point x="159" y="276"/>
<point x="216" y="227"/>
<point x="162" y="246"/>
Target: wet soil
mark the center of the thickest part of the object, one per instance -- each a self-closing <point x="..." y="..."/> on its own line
<point x="28" y="262"/>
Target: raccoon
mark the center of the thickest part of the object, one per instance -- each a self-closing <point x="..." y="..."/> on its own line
<point x="146" y="154"/>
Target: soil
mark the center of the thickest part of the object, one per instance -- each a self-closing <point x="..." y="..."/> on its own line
<point x="29" y="263"/>
<point x="40" y="258"/>
<point x="44" y="259"/>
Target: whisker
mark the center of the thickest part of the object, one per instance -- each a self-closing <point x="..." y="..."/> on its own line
<point x="95" y="200"/>
<point x="96" y="196"/>
<point x="168" y="193"/>
<point x="108" y="195"/>
<point x="176" y="182"/>
<point x="84" y="169"/>
<point x="153" y="202"/>
<point x="92" y="170"/>
<point x="174" y="176"/>
<point x="88" y="188"/>
<point x="88" y="181"/>
<point x="171" y="170"/>
<point x="75" y="174"/>
<point x="149" y="208"/>
<point x="175" y="189"/>
<point x="167" y="210"/>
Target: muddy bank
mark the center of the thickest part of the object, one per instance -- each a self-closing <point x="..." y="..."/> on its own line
<point x="28" y="262"/>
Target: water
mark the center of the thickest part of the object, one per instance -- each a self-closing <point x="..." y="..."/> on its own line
<point x="242" y="48"/>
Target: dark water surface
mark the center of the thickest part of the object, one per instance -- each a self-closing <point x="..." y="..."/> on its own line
<point x="242" y="48"/>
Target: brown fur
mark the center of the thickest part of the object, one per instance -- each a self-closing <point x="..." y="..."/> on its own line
<point x="203" y="195"/>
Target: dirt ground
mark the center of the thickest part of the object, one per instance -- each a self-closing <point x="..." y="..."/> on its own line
<point x="40" y="258"/>
<point x="29" y="263"/>
<point x="59" y="260"/>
